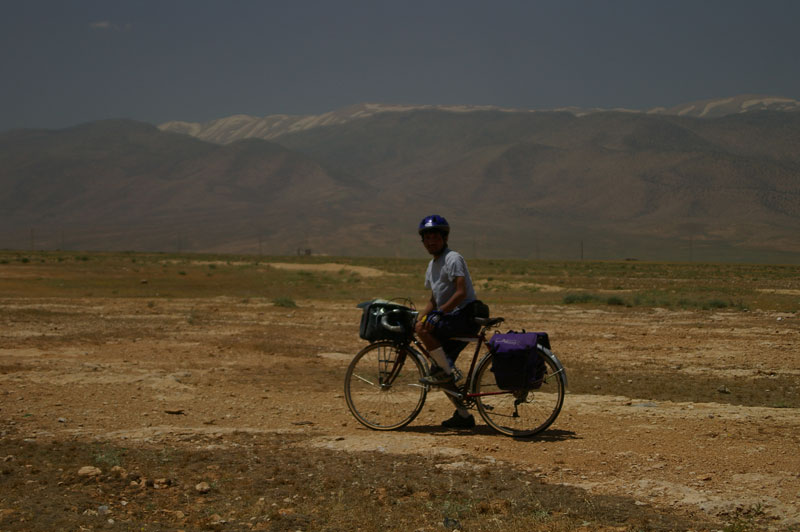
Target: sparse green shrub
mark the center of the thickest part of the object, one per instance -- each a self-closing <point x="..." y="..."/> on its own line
<point x="193" y="317"/>
<point x="109" y="457"/>
<point x="614" y="300"/>
<point x="286" y="302"/>
<point x="571" y="299"/>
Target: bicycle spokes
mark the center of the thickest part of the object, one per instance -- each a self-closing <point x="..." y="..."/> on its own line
<point x="382" y="386"/>
<point x="521" y="398"/>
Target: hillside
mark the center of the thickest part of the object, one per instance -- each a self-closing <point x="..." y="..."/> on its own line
<point x="127" y="185"/>
<point x="514" y="184"/>
<point x="542" y="184"/>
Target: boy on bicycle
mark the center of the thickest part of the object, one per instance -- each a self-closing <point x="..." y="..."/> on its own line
<point x="449" y="311"/>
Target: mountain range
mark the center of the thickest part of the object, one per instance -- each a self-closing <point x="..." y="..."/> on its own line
<point x="237" y="127"/>
<point x="713" y="180"/>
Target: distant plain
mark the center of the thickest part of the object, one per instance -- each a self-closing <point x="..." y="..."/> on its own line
<point x="167" y="371"/>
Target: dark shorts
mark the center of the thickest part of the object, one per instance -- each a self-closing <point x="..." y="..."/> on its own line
<point x="460" y="322"/>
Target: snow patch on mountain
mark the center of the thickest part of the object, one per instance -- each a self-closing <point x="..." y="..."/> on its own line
<point x="237" y="127"/>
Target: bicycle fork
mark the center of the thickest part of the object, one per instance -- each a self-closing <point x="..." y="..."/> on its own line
<point x="387" y="376"/>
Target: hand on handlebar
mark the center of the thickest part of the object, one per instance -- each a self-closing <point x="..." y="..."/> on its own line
<point x="430" y="320"/>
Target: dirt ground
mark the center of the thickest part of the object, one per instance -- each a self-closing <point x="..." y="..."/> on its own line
<point x="198" y="382"/>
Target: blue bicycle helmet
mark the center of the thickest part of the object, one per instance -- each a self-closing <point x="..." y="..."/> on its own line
<point x="434" y="222"/>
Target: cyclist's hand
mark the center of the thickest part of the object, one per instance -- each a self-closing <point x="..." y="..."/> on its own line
<point x="431" y="319"/>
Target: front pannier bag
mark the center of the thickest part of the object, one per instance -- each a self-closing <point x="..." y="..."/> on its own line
<point x="379" y="313"/>
<point x="516" y="363"/>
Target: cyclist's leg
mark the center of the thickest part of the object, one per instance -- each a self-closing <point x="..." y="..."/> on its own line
<point x="458" y="326"/>
<point x="461" y="413"/>
<point x="439" y="342"/>
<point x="452" y="348"/>
<point x="434" y="348"/>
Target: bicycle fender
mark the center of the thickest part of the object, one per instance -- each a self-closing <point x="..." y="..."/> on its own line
<point x="552" y="356"/>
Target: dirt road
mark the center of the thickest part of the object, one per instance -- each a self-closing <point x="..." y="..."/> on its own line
<point x="197" y="372"/>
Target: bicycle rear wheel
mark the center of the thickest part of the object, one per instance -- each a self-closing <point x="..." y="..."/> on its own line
<point x="382" y="387"/>
<point x="519" y="413"/>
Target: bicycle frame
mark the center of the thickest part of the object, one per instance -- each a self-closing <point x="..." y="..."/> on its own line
<point x="480" y="339"/>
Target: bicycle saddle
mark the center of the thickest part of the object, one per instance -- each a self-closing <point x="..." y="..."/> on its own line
<point x="488" y="322"/>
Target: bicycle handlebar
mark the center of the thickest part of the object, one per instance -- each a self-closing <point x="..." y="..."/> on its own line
<point x="483" y="322"/>
<point x="388" y="326"/>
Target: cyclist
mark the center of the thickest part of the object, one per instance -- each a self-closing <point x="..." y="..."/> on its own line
<point x="449" y="312"/>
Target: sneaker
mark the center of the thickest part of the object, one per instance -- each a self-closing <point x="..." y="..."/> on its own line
<point x="438" y="377"/>
<point x="458" y="422"/>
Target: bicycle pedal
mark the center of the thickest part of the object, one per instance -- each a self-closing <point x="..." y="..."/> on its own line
<point x="453" y="391"/>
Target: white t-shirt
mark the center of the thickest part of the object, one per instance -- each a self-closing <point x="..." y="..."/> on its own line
<point x="441" y="277"/>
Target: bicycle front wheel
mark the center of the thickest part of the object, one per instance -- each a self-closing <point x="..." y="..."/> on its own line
<point x="382" y="387"/>
<point x="519" y="413"/>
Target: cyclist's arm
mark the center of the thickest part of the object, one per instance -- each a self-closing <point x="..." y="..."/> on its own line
<point x="448" y="306"/>
<point x="429" y="307"/>
<point x="458" y="296"/>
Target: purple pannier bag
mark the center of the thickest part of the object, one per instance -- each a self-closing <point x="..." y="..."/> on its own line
<point x="516" y="363"/>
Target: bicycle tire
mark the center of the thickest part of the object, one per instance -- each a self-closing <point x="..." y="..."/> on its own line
<point x="382" y="387"/>
<point x="519" y="413"/>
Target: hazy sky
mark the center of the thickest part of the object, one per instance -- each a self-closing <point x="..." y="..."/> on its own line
<point x="66" y="62"/>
